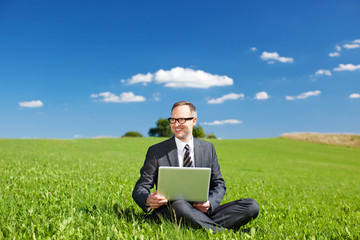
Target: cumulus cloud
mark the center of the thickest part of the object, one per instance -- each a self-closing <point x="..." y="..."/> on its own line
<point x="185" y="77"/>
<point x="179" y="77"/>
<point x="304" y="95"/>
<point x="230" y="96"/>
<point x="124" y="97"/>
<point x="262" y="96"/>
<point x="274" y="56"/>
<point x="253" y="49"/>
<point x="354" y="95"/>
<point x="347" y="67"/>
<point x="323" y="72"/>
<point x="334" y="54"/>
<point x="222" y="122"/>
<point x="337" y="53"/>
<point x="31" y="104"/>
<point x="141" y="78"/>
<point x="351" y="46"/>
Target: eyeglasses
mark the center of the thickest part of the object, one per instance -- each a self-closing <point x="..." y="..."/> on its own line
<point x="179" y="120"/>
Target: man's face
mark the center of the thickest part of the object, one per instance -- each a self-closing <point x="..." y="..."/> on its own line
<point x="182" y="131"/>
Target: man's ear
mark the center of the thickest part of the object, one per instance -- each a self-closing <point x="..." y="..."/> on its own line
<point x="194" y="121"/>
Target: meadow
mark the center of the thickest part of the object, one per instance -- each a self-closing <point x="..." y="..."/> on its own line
<point x="81" y="189"/>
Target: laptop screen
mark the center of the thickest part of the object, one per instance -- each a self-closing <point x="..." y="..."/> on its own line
<point x="190" y="184"/>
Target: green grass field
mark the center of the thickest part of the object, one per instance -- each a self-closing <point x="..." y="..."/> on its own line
<point x="76" y="189"/>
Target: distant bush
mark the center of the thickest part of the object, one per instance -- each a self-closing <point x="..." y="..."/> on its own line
<point x="132" y="134"/>
<point x="211" y="136"/>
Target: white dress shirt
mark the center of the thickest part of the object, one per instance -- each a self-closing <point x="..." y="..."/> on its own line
<point x="181" y="150"/>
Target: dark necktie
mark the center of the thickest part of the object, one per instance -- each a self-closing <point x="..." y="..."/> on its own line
<point x="187" y="159"/>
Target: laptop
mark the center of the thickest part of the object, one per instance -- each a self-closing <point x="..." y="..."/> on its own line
<point x="190" y="184"/>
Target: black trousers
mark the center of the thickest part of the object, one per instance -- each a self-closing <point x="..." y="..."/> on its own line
<point x="231" y="215"/>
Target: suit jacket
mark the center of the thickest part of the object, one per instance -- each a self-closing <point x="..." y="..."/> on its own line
<point x="165" y="154"/>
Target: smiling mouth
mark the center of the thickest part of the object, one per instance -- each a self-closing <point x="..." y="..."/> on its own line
<point x="178" y="130"/>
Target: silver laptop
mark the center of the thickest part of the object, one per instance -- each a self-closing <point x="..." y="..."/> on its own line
<point x="191" y="184"/>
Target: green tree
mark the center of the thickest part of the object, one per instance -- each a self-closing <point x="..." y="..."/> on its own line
<point x="162" y="129"/>
<point x="198" y="132"/>
<point x="132" y="134"/>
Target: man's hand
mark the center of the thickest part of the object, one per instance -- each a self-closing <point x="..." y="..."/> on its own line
<point x="202" y="207"/>
<point x="155" y="200"/>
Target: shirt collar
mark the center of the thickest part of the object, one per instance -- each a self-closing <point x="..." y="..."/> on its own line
<point x="180" y="144"/>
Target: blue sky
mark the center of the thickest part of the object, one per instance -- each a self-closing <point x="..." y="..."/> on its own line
<point x="253" y="69"/>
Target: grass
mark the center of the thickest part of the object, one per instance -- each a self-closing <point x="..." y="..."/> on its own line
<point x="76" y="189"/>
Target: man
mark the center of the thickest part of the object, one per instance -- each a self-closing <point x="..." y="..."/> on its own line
<point x="198" y="153"/>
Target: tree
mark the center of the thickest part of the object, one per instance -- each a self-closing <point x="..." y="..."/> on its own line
<point x="132" y="134"/>
<point x="162" y="129"/>
<point x="198" y="132"/>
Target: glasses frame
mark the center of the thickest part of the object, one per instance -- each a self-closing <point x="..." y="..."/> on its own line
<point x="183" y="120"/>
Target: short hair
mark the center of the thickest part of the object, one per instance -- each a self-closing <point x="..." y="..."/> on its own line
<point x="182" y="103"/>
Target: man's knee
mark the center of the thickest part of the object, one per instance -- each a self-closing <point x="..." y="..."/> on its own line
<point x="180" y="207"/>
<point x="247" y="207"/>
<point x="253" y="207"/>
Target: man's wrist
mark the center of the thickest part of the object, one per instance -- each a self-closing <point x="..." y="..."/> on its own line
<point x="146" y="201"/>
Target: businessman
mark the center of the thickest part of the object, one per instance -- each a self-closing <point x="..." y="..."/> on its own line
<point x="182" y="150"/>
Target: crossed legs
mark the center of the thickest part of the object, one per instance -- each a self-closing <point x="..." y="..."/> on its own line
<point x="231" y="215"/>
<point x="235" y="214"/>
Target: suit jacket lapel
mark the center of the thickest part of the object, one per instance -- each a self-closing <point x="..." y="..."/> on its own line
<point x="198" y="150"/>
<point x="172" y="153"/>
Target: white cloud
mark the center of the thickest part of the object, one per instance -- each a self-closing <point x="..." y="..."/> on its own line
<point x="304" y="95"/>
<point x="230" y="96"/>
<point x="323" y="72"/>
<point x="262" y="96"/>
<point x="351" y="46"/>
<point x="275" y="56"/>
<point x="179" y="77"/>
<point x="354" y="95"/>
<point x="253" y="49"/>
<point x="141" y="78"/>
<point x="347" y="67"/>
<point x="31" y="104"/>
<point x="334" y="54"/>
<point x="222" y="122"/>
<point x="122" y="98"/>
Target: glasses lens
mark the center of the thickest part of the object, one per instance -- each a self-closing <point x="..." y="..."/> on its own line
<point x="179" y="120"/>
<point x="182" y="120"/>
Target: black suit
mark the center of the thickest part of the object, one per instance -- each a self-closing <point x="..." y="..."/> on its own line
<point x="230" y="215"/>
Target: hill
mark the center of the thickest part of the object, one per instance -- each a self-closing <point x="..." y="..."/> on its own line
<point x="349" y="140"/>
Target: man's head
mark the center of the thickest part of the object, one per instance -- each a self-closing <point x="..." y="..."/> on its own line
<point x="183" y="119"/>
